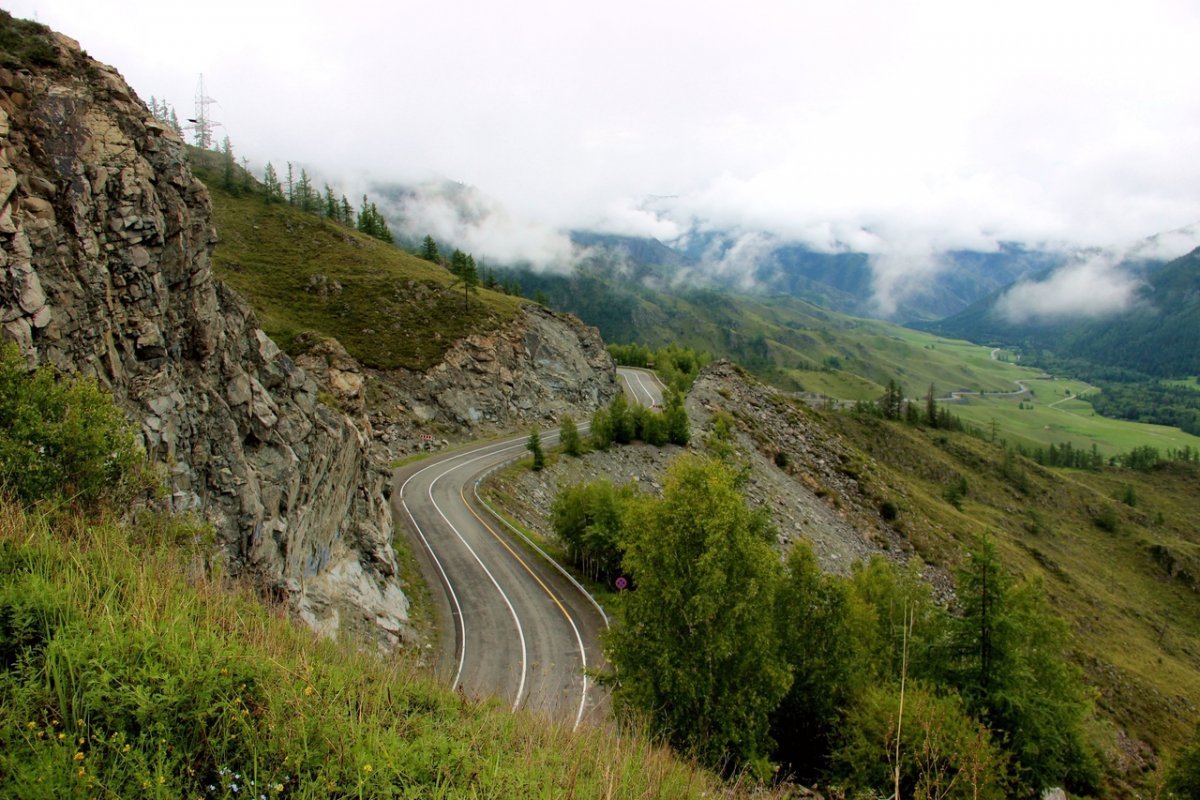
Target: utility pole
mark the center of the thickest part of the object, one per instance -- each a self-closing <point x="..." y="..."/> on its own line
<point x="202" y="125"/>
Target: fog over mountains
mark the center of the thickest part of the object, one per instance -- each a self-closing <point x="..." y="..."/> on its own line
<point x="865" y="276"/>
<point x="748" y="139"/>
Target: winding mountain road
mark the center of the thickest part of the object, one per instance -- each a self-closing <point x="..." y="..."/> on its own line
<point x="642" y="386"/>
<point x="512" y="623"/>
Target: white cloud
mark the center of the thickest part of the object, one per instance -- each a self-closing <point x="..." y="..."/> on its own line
<point x="1097" y="282"/>
<point x="898" y="128"/>
<point x="477" y="224"/>
<point x="1091" y="287"/>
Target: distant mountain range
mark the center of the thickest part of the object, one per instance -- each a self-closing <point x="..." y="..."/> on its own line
<point x="1123" y="306"/>
<point x="841" y="281"/>
<point x="1157" y="334"/>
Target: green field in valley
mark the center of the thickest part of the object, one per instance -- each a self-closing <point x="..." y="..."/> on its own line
<point x="1058" y="412"/>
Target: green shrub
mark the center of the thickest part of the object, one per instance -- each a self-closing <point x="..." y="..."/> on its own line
<point x="64" y="440"/>
<point x="888" y="510"/>
<point x="1183" y="776"/>
<point x="942" y="751"/>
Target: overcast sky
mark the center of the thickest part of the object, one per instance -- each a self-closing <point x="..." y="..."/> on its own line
<point x="882" y="126"/>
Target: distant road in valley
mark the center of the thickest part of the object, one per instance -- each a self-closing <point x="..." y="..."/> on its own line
<point x="642" y="386"/>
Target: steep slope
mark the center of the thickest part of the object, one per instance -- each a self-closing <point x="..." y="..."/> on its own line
<point x="105" y="244"/>
<point x="856" y="485"/>
<point x="391" y="337"/>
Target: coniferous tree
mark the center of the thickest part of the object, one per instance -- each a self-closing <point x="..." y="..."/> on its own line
<point x="893" y="400"/>
<point x="601" y="434"/>
<point x="429" y="250"/>
<point x="1007" y="652"/>
<point x="568" y="437"/>
<point x="534" y="445"/>
<point x="246" y="187"/>
<point x="330" y="204"/>
<point x="931" y="410"/>
<point x="458" y="263"/>
<point x="371" y="222"/>
<point x="470" y="279"/>
<point x="272" y="191"/>
<point x="306" y="198"/>
<point x="291" y="185"/>
<point x="620" y="419"/>
<point x="227" y="164"/>
<point x="676" y="418"/>
<point x="385" y="233"/>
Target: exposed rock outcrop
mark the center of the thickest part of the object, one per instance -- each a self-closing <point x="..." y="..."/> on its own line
<point x="105" y="244"/>
<point x="534" y="369"/>
<point x="805" y="475"/>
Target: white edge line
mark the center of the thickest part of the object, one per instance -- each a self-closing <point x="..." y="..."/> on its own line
<point x="462" y="624"/>
<point x="511" y="609"/>
<point x="547" y="557"/>
<point x="570" y="619"/>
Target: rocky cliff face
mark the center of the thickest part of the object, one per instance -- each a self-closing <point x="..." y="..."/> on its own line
<point x="531" y="371"/>
<point x="105" y="241"/>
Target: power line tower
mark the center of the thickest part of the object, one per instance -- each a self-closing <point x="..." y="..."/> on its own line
<point x="202" y="124"/>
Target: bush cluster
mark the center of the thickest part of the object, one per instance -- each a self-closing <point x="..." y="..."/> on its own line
<point x="744" y="662"/>
<point x="64" y="440"/>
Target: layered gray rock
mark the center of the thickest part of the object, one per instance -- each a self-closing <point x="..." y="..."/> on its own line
<point x="532" y="371"/>
<point x="105" y="244"/>
<point x="540" y="365"/>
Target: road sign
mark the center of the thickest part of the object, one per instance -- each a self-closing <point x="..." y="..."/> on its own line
<point x="622" y="583"/>
<point x="427" y="437"/>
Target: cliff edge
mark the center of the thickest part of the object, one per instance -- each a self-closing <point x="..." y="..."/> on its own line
<point x="105" y="247"/>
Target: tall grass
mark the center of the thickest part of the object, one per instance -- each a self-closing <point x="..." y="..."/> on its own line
<point x="131" y="667"/>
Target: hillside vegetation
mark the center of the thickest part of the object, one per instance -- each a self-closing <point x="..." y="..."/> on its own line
<point x="1116" y="550"/>
<point x="1113" y="549"/>
<point x="302" y="272"/>
<point x="786" y="341"/>
<point x="132" y="666"/>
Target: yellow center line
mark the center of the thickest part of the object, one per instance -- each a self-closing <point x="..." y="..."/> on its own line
<point x="506" y="546"/>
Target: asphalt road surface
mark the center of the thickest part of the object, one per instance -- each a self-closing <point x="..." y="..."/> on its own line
<point x="512" y="623"/>
<point x="642" y="386"/>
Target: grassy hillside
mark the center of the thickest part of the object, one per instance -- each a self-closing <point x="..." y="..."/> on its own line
<point x="1124" y="576"/>
<point x="787" y="341"/>
<point x="302" y="272"/>
<point x="797" y="346"/>
<point x="129" y="667"/>
<point x="1053" y="416"/>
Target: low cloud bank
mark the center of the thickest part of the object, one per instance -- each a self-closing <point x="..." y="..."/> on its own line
<point x="1095" y="284"/>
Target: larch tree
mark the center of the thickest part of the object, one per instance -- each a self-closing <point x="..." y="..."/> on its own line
<point x="429" y="250"/>
<point x="272" y="191"/>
